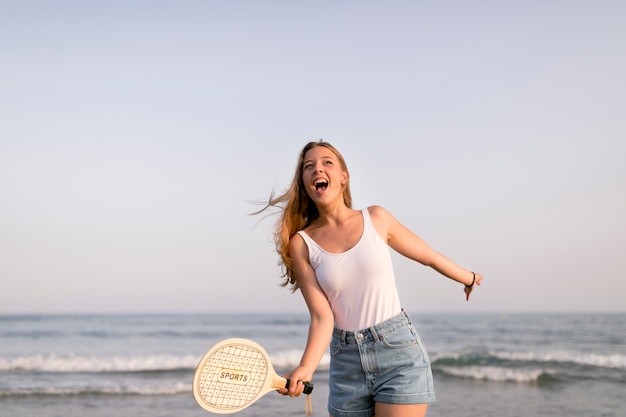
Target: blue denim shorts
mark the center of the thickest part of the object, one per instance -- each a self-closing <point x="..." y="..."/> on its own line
<point x="386" y="363"/>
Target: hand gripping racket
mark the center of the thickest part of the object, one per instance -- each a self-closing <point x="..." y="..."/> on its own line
<point x="235" y="373"/>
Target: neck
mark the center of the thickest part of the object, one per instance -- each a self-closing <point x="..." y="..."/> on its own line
<point x="333" y="215"/>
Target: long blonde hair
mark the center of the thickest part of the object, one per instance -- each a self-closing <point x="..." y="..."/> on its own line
<point x="297" y="211"/>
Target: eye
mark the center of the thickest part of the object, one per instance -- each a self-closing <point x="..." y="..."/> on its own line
<point x="308" y="165"/>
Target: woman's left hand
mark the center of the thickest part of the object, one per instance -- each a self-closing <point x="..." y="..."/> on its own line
<point x="468" y="290"/>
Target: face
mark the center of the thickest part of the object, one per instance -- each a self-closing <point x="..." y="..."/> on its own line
<point x="323" y="175"/>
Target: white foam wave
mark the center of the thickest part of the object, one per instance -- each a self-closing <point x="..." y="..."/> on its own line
<point x="494" y="373"/>
<point x="166" y="389"/>
<point x="291" y="359"/>
<point x="80" y="363"/>
<point x="614" y="361"/>
<point x="285" y="360"/>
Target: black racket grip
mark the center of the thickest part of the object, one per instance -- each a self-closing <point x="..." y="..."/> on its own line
<point x="308" y="386"/>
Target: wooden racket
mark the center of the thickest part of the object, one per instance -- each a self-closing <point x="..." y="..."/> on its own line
<point x="234" y="374"/>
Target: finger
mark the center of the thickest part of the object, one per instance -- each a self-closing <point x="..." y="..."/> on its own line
<point x="291" y="385"/>
<point x="294" y="387"/>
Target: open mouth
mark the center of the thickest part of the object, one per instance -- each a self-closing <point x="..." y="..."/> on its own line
<point x="321" y="185"/>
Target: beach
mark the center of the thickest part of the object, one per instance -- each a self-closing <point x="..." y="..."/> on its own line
<point x="505" y="365"/>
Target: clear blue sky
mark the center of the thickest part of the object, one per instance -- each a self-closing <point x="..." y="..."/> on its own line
<point x="135" y="134"/>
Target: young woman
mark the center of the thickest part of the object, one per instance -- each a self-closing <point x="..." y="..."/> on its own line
<point x="340" y="261"/>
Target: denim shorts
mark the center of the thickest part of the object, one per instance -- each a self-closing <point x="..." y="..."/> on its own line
<point x="386" y="363"/>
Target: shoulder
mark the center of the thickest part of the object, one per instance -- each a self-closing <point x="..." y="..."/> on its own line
<point x="298" y="247"/>
<point x="382" y="220"/>
<point x="296" y="241"/>
<point x="299" y="253"/>
<point x="379" y="213"/>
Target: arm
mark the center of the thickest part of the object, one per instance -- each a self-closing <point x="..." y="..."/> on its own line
<point x="322" y="319"/>
<point x="408" y="244"/>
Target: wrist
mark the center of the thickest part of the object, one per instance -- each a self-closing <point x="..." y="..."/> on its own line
<point x="308" y="369"/>
<point x="473" y="280"/>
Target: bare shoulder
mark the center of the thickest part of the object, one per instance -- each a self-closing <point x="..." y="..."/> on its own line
<point x="298" y="249"/>
<point x="382" y="220"/>
<point x="379" y="214"/>
<point x="296" y="243"/>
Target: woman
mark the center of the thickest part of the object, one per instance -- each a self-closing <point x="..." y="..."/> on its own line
<point x="340" y="261"/>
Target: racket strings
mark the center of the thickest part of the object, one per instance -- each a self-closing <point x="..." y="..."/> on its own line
<point x="234" y="389"/>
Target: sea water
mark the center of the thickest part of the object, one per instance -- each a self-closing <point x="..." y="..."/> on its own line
<point x="142" y="365"/>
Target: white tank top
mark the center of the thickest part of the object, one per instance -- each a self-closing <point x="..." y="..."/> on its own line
<point x="359" y="283"/>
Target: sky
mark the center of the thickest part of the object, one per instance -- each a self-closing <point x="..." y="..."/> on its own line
<point x="136" y="137"/>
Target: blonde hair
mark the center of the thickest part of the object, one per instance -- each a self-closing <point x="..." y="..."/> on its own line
<point x="297" y="211"/>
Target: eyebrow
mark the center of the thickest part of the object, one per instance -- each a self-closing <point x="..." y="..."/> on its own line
<point x="322" y="157"/>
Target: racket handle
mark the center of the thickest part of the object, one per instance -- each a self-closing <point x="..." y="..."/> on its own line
<point x="308" y="386"/>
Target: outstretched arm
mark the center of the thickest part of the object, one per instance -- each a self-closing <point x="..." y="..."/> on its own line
<point x="408" y="244"/>
<point x="322" y="319"/>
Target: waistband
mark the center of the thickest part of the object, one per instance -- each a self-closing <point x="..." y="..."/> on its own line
<point x="373" y="333"/>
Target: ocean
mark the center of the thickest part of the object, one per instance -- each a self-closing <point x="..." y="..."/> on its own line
<point x="500" y="365"/>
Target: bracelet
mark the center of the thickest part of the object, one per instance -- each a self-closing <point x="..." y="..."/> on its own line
<point x="473" y="280"/>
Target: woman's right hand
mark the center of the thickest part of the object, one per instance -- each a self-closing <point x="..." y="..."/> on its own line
<point x="296" y="386"/>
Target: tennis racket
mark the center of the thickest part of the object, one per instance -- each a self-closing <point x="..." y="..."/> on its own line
<point x="233" y="374"/>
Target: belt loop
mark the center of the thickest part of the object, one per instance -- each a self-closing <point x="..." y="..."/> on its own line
<point x="407" y="316"/>
<point x="374" y="333"/>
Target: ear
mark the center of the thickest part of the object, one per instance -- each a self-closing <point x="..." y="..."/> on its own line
<point x="345" y="177"/>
